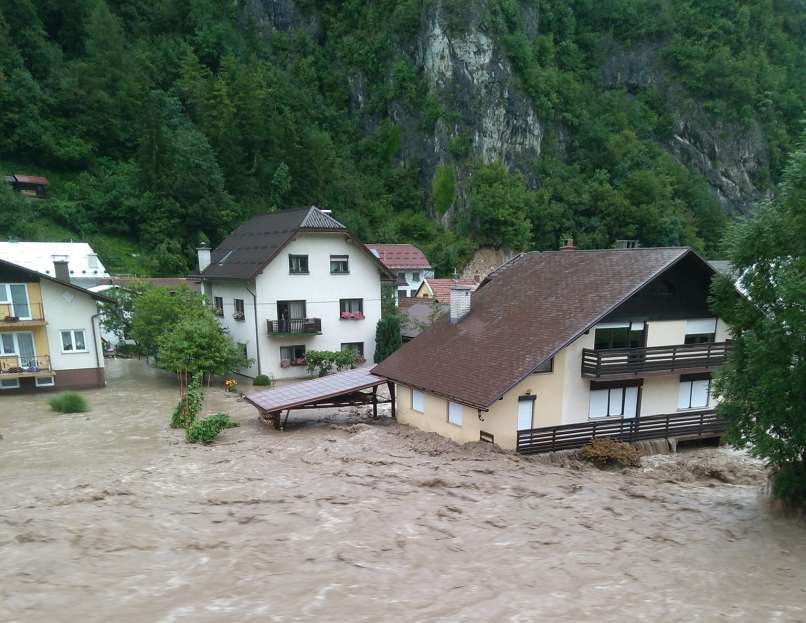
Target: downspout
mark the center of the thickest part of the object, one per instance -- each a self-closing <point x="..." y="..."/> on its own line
<point x="95" y="342"/>
<point x="257" y="330"/>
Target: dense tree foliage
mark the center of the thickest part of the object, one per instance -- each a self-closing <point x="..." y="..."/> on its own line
<point x="764" y="385"/>
<point x="166" y="123"/>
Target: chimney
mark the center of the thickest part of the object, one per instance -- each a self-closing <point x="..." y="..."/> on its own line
<point x="567" y="244"/>
<point x="203" y="252"/>
<point x="460" y="302"/>
<point x="61" y="270"/>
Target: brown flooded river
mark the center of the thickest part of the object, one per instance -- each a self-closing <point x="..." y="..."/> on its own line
<point x="110" y="516"/>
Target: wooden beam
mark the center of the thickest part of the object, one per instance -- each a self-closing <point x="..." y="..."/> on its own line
<point x="375" y="401"/>
<point x="391" y="387"/>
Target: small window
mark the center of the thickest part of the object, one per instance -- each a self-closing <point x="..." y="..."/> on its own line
<point x="218" y="305"/>
<point x="351" y="309"/>
<point x="244" y="352"/>
<point x="404" y="294"/>
<point x="695" y="392"/>
<point x="298" y="264"/>
<point x="45" y="382"/>
<point x="455" y="413"/>
<point x="339" y="265"/>
<point x="356" y="347"/>
<point x="73" y="341"/>
<point x="619" y="335"/>
<point x="92" y="261"/>
<point x="401" y="278"/>
<point x="613" y="402"/>
<point x="5" y="297"/>
<point x="292" y="356"/>
<point x="9" y="383"/>
<point x="417" y="401"/>
<point x="546" y="366"/>
<point x="700" y="331"/>
<point x="415" y="276"/>
<point x="239" y="310"/>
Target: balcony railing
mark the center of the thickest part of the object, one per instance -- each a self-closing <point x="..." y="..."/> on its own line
<point x="16" y="313"/>
<point x="300" y="326"/>
<point x="701" y="424"/>
<point x="18" y="366"/>
<point x="625" y="362"/>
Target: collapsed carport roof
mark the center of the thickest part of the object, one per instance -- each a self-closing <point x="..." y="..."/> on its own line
<point x="314" y="393"/>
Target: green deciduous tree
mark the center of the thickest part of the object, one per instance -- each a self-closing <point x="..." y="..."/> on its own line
<point x="764" y="384"/>
<point x="156" y="311"/>
<point x="198" y="344"/>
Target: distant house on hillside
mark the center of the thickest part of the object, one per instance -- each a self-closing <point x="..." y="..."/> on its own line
<point x="418" y="314"/>
<point x="407" y="262"/>
<point x="75" y="262"/>
<point x="440" y="289"/>
<point x="290" y="282"/>
<point x="29" y="185"/>
<point x="558" y="346"/>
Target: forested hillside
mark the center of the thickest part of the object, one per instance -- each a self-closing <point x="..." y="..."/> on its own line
<point x="447" y="123"/>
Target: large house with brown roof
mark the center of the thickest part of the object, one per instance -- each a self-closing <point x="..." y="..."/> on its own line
<point x="290" y="282"/>
<point x="407" y="262"/>
<point x="564" y="337"/>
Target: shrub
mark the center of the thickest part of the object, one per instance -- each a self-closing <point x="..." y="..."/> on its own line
<point x="325" y="361"/>
<point x="69" y="402"/>
<point x="604" y="452"/>
<point x="206" y="430"/>
<point x="194" y="397"/>
<point x="262" y="380"/>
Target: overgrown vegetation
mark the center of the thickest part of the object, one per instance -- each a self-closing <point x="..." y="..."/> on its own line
<point x="262" y="380"/>
<point x="323" y="362"/>
<point x="763" y="386"/>
<point x="69" y="402"/>
<point x="207" y="429"/>
<point x="164" y="124"/>
<point x="387" y="337"/>
<point x="606" y="452"/>
<point x="190" y="404"/>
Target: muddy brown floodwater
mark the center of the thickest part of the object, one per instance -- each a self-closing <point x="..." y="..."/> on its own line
<point x="111" y="516"/>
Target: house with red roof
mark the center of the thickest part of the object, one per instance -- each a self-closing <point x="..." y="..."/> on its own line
<point x="407" y="262"/>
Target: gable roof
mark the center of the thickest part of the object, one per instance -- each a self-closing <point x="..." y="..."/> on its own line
<point x="39" y="256"/>
<point x="397" y="256"/>
<point x="521" y="315"/>
<point x="441" y="288"/>
<point x="37" y="275"/>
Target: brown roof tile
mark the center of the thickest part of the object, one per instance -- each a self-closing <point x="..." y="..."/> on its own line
<point x="397" y="256"/>
<point x="521" y="315"/>
<point x="442" y="288"/>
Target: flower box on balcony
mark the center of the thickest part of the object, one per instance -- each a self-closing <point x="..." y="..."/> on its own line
<point x="352" y="315"/>
<point x="285" y="363"/>
<point x="300" y="361"/>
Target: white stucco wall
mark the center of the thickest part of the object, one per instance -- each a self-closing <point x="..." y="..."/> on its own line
<point x="414" y="284"/>
<point x="66" y="308"/>
<point x="321" y="291"/>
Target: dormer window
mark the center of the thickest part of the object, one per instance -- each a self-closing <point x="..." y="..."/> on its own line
<point x="339" y="265"/>
<point x="298" y="264"/>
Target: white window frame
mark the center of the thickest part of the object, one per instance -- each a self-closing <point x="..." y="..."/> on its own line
<point x="621" y="400"/>
<point x="5" y="298"/>
<point x="456" y="413"/>
<point x="417" y="399"/>
<point x="4" y="387"/>
<point x="687" y="387"/>
<point x="45" y="381"/>
<point x="72" y="333"/>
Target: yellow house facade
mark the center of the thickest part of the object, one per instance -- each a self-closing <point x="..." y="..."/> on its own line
<point x="49" y="332"/>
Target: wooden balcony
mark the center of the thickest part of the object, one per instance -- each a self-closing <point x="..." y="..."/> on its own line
<point x="301" y="326"/>
<point x="622" y="363"/>
<point x="16" y="367"/>
<point x="15" y="316"/>
<point x="684" y="424"/>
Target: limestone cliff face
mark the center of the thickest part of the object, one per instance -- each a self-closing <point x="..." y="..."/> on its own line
<point x="468" y="73"/>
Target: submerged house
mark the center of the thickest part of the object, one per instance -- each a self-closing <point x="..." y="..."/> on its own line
<point x="568" y="337"/>
<point x="50" y="335"/>
<point x="290" y="282"/>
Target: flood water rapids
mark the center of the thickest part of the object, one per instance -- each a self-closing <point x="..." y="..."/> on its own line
<point x="110" y="516"/>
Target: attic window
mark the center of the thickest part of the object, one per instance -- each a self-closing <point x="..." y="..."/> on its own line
<point x="224" y="259"/>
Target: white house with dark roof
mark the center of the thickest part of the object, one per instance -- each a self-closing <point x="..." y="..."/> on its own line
<point x="290" y="282"/>
<point x="555" y="347"/>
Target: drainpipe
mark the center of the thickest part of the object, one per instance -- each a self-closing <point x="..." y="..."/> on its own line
<point x="95" y="343"/>
<point x="257" y="330"/>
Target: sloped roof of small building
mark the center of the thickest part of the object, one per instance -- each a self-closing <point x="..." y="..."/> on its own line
<point x="522" y="314"/>
<point x="255" y="243"/>
<point x="39" y="256"/>
<point x="31" y="179"/>
<point x="23" y="274"/>
<point x="441" y="288"/>
<point x="399" y="256"/>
